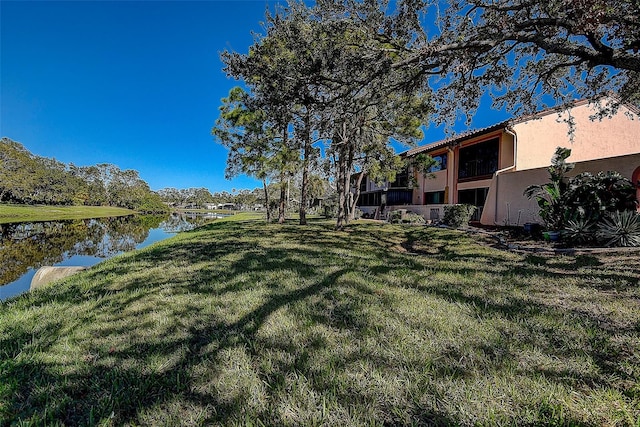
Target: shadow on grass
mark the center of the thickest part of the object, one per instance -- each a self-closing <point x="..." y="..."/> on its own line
<point x="143" y="339"/>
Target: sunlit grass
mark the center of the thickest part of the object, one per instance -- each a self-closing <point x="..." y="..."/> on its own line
<point x="22" y="213"/>
<point x="246" y="323"/>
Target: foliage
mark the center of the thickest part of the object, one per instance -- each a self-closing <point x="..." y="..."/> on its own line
<point x="395" y="217"/>
<point x="192" y="197"/>
<point x="580" y="230"/>
<point x="592" y="196"/>
<point x="551" y="196"/>
<point x="330" y="207"/>
<point x="526" y="55"/>
<point x="151" y="203"/>
<point x="523" y="53"/>
<point x="550" y="201"/>
<point x="414" y="218"/>
<point x="620" y="229"/>
<point x="458" y="215"/>
<point x="585" y="203"/>
<point x="244" y="129"/>
<point x="324" y="75"/>
<point x="422" y="164"/>
<point x="29" y="179"/>
<point x="402" y="216"/>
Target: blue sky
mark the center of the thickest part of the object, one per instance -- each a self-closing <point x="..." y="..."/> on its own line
<point x="133" y="83"/>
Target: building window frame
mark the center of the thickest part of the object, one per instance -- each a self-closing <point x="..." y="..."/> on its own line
<point x="434" y="197"/>
<point x="479" y="160"/>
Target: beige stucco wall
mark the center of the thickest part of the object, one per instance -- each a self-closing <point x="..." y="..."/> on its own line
<point x="593" y="139"/>
<point x="428" y="212"/>
<point x="506" y="204"/>
<point x="474" y="184"/>
<point x="506" y="151"/>
<point x="437" y="183"/>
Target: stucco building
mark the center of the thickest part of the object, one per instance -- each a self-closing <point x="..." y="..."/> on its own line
<point x="490" y="168"/>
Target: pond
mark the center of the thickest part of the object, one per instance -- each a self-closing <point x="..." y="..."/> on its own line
<point x="25" y="247"/>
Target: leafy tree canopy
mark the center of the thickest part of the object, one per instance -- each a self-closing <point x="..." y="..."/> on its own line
<point x="526" y="54"/>
<point x="30" y="179"/>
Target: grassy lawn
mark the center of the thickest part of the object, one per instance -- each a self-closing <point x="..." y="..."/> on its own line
<point x="242" y="216"/>
<point x="23" y="213"/>
<point x="243" y="323"/>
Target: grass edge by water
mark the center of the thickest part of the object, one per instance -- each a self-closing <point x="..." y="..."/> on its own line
<point x="37" y="213"/>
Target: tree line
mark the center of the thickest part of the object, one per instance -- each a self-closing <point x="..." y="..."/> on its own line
<point x="26" y="178"/>
<point x="201" y="198"/>
<point x="328" y="87"/>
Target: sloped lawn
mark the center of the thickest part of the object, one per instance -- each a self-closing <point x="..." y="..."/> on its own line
<point x="23" y="213"/>
<point x="243" y="323"/>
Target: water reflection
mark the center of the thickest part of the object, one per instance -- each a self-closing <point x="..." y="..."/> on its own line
<point x="25" y="247"/>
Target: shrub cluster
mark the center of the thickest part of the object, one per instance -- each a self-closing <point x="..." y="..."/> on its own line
<point x="588" y="208"/>
<point x="619" y="228"/>
<point x="458" y="215"/>
<point x="402" y="216"/>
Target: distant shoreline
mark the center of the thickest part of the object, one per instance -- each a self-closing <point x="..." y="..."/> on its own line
<point x="23" y="213"/>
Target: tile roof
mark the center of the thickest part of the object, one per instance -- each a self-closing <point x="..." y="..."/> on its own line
<point x="455" y="139"/>
<point x="502" y="125"/>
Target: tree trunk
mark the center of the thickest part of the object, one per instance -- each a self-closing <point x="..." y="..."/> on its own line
<point x="354" y="201"/>
<point x="266" y="199"/>
<point x="282" y="206"/>
<point x="283" y="195"/>
<point x="340" y="187"/>
<point x="347" y="183"/>
<point x="305" y="171"/>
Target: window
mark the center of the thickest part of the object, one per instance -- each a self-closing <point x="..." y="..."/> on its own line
<point x="475" y="197"/>
<point x="399" y="197"/>
<point x="369" y="199"/>
<point x="441" y="165"/>
<point x="478" y="161"/>
<point x="402" y="179"/>
<point x="434" y="198"/>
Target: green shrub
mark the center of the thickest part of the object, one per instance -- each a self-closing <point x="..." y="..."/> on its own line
<point x="458" y="215"/>
<point x="550" y="196"/>
<point x="330" y="207"/>
<point x="395" y="217"/>
<point x="620" y="229"/>
<point x="580" y="230"/>
<point x="151" y="203"/>
<point x="592" y="196"/>
<point x="402" y="216"/>
<point x="414" y="218"/>
<point x="575" y="205"/>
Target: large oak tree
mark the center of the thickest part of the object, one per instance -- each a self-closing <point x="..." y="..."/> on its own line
<point x="526" y="54"/>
